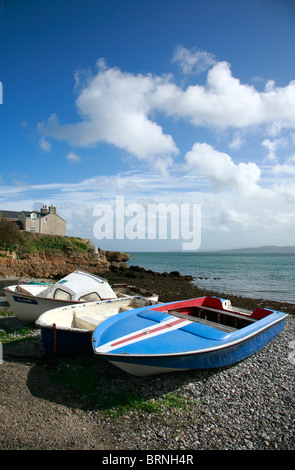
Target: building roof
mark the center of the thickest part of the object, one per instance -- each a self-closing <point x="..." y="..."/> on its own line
<point x="11" y="214"/>
<point x="17" y="214"/>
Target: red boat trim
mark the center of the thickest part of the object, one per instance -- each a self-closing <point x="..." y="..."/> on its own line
<point x="149" y="331"/>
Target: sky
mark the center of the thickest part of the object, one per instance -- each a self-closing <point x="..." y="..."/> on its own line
<point x="129" y="114"/>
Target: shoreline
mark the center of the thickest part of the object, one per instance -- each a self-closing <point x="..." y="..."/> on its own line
<point x="174" y="286"/>
<point x="169" y="286"/>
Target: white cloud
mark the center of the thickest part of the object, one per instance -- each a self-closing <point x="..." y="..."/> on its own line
<point x="44" y="144"/>
<point x="227" y="103"/>
<point x="229" y="218"/>
<point x="286" y="193"/>
<point x="287" y="168"/>
<point x="272" y="147"/>
<point x="193" y="61"/>
<point x="222" y="172"/>
<point x="114" y="107"/>
<point x="237" y="142"/>
<point x="73" y="158"/>
<point x="121" y="109"/>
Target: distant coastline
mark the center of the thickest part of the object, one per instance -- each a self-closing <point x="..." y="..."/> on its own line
<point x="262" y="249"/>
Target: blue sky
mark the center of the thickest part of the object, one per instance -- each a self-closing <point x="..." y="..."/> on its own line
<point x="173" y="102"/>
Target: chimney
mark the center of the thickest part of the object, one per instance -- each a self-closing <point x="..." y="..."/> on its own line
<point x="44" y="210"/>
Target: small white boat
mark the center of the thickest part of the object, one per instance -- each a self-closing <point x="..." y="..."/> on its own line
<point x="29" y="301"/>
<point x="67" y="330"/>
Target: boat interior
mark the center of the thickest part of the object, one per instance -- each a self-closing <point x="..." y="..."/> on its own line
<point x="89" y="319"/>
<point x="122" y="290"/>
<point x="219" y="319"/>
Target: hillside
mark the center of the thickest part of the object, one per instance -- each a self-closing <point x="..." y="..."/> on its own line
<point x="50" y="256"/>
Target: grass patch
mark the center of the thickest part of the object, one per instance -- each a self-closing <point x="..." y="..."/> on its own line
<point x="49" y="243"/>
<point x="81" y="376"/>
<point x="8" y="335"/>
<point x="13" y="330"/>
<point x="5" y="313"/>
<point x="14" y="239"/>
<point x="170" y="402"/>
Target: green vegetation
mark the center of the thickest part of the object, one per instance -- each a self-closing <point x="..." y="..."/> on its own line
<point x="80" y="374"/>
<point x="51" y="243"/>
<point x="7" y="334"/>
<point x="10" y="235"/>
<point x="14" y="331"/>
<point x="13" y="239"/>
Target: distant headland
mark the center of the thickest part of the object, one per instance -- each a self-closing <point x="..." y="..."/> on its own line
<point x="262" y="249"/>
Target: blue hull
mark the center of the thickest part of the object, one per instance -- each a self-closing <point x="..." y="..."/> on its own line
<point x="206" y="360"/>
<point x="198" y="333"/>
<point x="65" y="342"/>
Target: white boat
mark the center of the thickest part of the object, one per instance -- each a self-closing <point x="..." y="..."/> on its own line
<point x="29" y="301"/>
<point x="67" y="330"/>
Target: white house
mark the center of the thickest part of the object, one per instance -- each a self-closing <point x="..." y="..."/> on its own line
<point x="44" y="221"/>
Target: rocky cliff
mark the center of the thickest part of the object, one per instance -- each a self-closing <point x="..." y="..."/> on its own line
<point x="58" y="264"/>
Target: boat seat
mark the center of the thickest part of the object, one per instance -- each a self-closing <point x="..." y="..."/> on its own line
<point x="218" y="326"/>
<point x="212" y="324"/>
<point x="131" y="306"/>
<point x="125" y="308"/>
<point x="23" y="290"/>
<point x="154" y="315"/>
<point x="86" y="322"/>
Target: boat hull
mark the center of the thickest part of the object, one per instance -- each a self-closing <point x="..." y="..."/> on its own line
<point x="28" y="308"/>
<point x="228" y="355"/>
<point x="58" y="342"/>
<point x="200" y="333"/>
<point x="67" y="330"/>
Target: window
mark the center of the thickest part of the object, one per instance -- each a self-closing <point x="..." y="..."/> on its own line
<point x="62" y="295"/>
<point x="90" y="297"/>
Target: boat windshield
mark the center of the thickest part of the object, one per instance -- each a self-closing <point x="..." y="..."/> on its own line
<point x="60" y="294"/>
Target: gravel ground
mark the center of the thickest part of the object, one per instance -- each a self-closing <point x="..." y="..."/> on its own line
<point x="247" y="406"/>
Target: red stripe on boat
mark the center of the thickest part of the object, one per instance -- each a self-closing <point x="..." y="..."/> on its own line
<point x="152" y="330"/>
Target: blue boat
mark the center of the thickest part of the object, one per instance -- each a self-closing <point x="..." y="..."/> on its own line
<point x="201" y="333"/>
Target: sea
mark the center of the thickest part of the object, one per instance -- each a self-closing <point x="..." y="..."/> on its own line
<point x="268" y="276"/>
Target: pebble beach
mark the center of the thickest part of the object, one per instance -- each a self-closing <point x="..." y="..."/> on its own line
<point x="247" y="406"/>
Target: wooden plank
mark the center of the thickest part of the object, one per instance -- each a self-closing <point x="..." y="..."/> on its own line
<point x="217" y="326"/>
